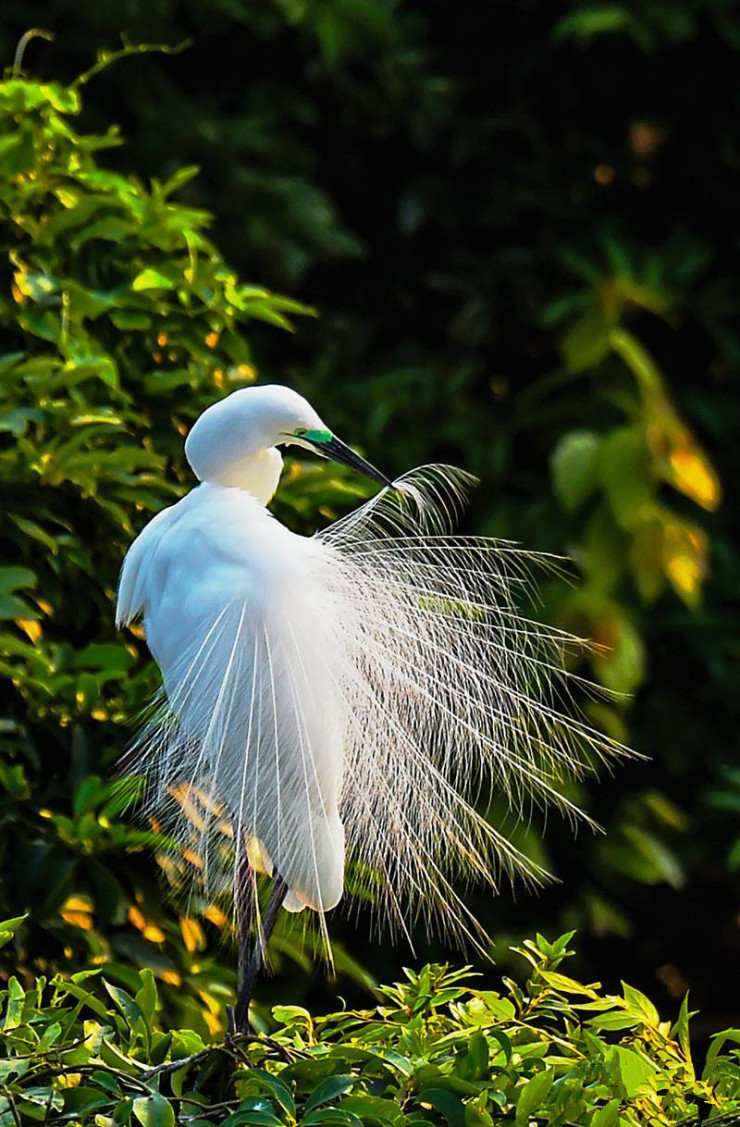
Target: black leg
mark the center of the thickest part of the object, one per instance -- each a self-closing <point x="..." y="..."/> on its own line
<point x="249" y="965"/>
<point x="244" y="897"/>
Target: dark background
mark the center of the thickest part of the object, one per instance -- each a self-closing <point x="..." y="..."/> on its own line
<point x="477" y="198"/>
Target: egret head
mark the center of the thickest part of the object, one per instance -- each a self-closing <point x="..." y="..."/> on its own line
<point x="254" y="420"/>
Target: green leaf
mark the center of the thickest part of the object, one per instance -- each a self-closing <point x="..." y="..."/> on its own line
<point x="13" y="607"/>
<point x="680" y="1029"/>
<point x="146" y="998"/>
<point x="654" y="860"/>
<point x="614" y="1019"/>
<point x="83" y="1102"/>
<point x="331" y="1117"/>
<point x="374" y="1111"/>
<point x="501" y="1009"/>
<point x="606" y="1116"/>
<point x="17" y="420"/>
<point x="328" y="1090"/>
<point x="564" y="984"/>
<point x="505" y="1043"/>
<point x="123" y="1110"/>
<point x="718" y="1042"/>
<point x="291" y="1016"/>
<point x="533" y="1095"/>
<point x="622" y="667"/>
<point x="574" y="466"/>
<point x="638" y="1004"/>
<point x="585" y="344"/>
<point x="595" y="19"/>
<point x="109" y="228"/>
<point x="151" y="279"/>
<point x="626" y="474"/>
<point x="154" y="1111"/>
<point x="185" y="1043"/>
<point x="63" y="98"/>
<point x="473" y="1064"/>
<point x="37" y="1102"/>
<point x="8" y="928"/>
<point x="634" y="1070"/>
<point x="604" y="550"/>
<point x="126" y="319"/>
<point x="83" y="996"/>
<point x="16" y="997"/>
<point x="16" y="154"/>
<point x="178" y="180"/>
<point x="276" y="1087"/>
<point x="251" y="1118"/>
<point x="646" y="556"/>
<point x="126" y="1005"/>
<point x="445" y="1102"/>
<point x="13" y="578"/>
<point x="477" y="1116"/>
<point x="478" y="1049"/>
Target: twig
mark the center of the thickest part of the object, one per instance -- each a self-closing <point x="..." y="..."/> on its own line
<point x="171" y="1066"/>
<point x="105" y="58"/>
<point x="14" y="1110"/>
<point x="288" y="1055"/>
<point x="34" y="33"/>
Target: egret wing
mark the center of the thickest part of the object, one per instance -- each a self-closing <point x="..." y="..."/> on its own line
<point x="246" y="744"/>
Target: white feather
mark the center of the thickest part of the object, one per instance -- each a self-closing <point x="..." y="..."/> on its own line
<point x="368" y="691"/>
<point x="232" y="612"/>
<point x="376" y="681"/>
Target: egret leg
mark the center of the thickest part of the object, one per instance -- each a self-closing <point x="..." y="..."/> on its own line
<point x="249" y="964"/>
<point x="244" y="899"/>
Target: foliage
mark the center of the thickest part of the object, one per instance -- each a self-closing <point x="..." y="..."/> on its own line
<point x="517" y="226"/>
<point x="122" y="323"/>
<point x="437" y="1050"/>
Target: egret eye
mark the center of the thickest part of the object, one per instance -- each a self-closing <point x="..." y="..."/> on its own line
<point x="318" y="437"/>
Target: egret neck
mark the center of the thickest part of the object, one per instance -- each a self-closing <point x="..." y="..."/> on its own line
<point x="230" y="446"/>
<point x="258" y="474"/>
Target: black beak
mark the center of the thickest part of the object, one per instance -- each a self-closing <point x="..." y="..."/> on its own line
<point x="338" y="452"/>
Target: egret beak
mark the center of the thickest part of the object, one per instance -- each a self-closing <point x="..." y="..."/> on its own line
<point x="336" y="450"/>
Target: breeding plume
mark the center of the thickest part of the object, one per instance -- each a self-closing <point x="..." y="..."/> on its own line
<point x="356" y="695"/>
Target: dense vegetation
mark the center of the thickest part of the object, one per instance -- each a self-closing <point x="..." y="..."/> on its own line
<point x="515" y="272"/>
<point x="123" y="323"/>
<point x="438" y="1049"/>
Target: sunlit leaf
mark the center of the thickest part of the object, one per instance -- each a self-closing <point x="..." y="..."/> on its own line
<point x="685" y="558"/>
<point x="151" y="279"/>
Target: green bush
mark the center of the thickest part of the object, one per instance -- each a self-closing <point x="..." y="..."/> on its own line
<point x="548" y="296"/>
<point x="122" y="322"/>
<point x="437" y="1050"/>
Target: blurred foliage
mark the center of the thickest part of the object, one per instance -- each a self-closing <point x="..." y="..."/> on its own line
<point x="123" y="322"/>
<point x="518" y="228"/>
<point x="437" y="1050"/>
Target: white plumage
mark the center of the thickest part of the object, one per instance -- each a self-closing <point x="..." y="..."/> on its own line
<point x="359" y="692"/>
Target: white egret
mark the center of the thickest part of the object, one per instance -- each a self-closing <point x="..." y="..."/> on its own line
<point x="360" y="691"/>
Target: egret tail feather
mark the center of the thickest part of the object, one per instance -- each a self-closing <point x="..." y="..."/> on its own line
<point x="374" y="691"/>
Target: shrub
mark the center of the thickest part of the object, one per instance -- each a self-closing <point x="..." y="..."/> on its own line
<point x="437" y="1050"/>
<point x="488" y="325"/>
<point x="121" y="323"/>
